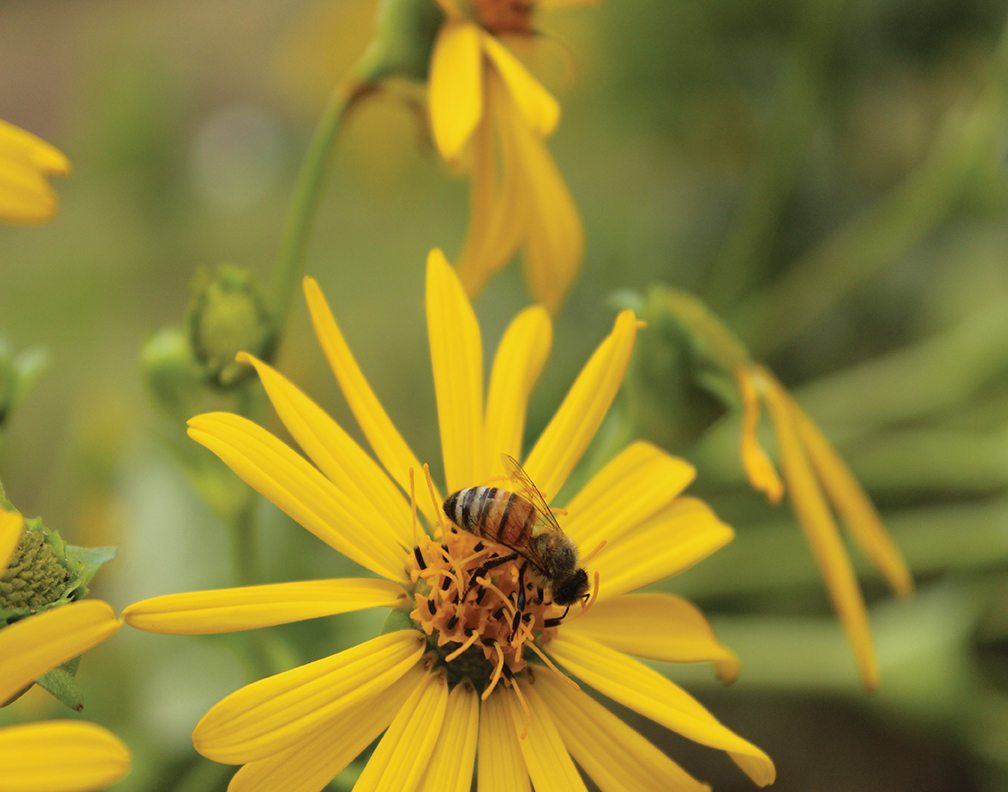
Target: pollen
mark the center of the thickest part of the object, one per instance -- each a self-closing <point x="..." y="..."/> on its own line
<point x="467" y="603"/>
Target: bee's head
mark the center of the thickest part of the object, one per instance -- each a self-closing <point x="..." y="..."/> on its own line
<point x="573" y="589"/>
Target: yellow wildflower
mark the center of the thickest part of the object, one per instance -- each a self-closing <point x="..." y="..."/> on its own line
<point x="811" y="466"/>
<point x="462" y="667"/>
<point x="59" y="755"/>
<point x="487" y="109"/>
<point x="25" y="163"/>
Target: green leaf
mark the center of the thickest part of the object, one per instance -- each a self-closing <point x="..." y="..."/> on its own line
<point x="61" y="683"/>
<point x="85" y="562"/>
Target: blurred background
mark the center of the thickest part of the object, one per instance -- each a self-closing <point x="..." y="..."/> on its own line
<point x="828" y="175"/>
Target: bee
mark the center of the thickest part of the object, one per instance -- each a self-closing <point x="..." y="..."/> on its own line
<point x="523" y="523"/>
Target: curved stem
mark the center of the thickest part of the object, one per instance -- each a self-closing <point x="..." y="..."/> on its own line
<point x="294" y="242"/>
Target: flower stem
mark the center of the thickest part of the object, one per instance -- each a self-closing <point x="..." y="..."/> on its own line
<point x="294" y="243"/>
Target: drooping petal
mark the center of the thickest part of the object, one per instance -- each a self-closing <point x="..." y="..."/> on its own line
<point x="501" y="766"/>
<point x="564" y="440"/>
<point x="289" y="481"/>
<point x="25" y="162"/>
<point x="334" y="452"/>
<point x="673" y="540"/>
<point x="821" y="533"/>
<point x="276" y="713"/>
<point x="251" y="607"/>
<point x="616" y="757"/>
<point x="658" y="627"/>
<point x="540" y="111"/>
<point x="496" y="214"/>
<point x="851" y="502"/>
<point x="11" y="525"/>
<point x="454" y="754"/>
<point x="520" y="359"/>
<point x="312" y="763"/>
<point x="388" y="445"/>
<point x="755" y="462"/>
<point x="644" y="690"/>
<point x="549" y="765"/>
<point x="399" y="761"/>
<point x="554" y="233"/>
<point x="455" y="86"/>
<point x="633" y="486"/>
<point x="31" y="647"/>
<point x="457" y="361"/>
<point x="60" y="756"/>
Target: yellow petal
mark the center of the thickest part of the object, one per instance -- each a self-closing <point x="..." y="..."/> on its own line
<point x="228" y="610"/>
<point x="852" y="504"/>
<point x="520" y="359"/>
<point x="11" y="526"/>
<point x="540" y="110"/>
<point x="565" y="438"/>
<point x="287" y="480"/>
<point x="401" y="757"/>
<point x="312" y="763"/>
<point x="673" y="540"/>
<point x="757" y="465"/>
<point x="19" y="144"/>
<point x="276" y="713"/>
<point x="644" y="690"/>
<point x="60" y="756"/>
<point x="457" y="361"/>
<point x="455" y="87"/>
<point x="616" y="757"/>
<point x="335" y="453"/>
<point x="554" y="233"/>
<point x="388" y="445"/>
<point x="549" y="764"/>
<point x="501" y="766"/>
<point x="822" y="535"/>
<point x="31" y="647"/>
<point x="659" y="627"/>
<point x="632" y="487"/>
<point x="25" y="195"/>
<point x="496" y="214"/>
<point x="454" y="754"/>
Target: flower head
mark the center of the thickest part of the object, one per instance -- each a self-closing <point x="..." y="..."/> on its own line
<point x="25" y="163"/>
<point x="53" y="756"/>
<point x="490" y="112"/>
<point x="463" y="664"/>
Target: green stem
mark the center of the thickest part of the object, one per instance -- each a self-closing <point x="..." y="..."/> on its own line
<point x="967" y="143"/>
<point x="294" y="243"/>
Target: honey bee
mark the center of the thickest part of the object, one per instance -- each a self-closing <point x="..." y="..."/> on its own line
<point x="524" y="523"/>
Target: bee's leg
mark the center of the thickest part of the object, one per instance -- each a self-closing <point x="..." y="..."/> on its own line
<point x="556" y="622"/>
<point x="486" y="566"/>
<point x="520" y="605"/>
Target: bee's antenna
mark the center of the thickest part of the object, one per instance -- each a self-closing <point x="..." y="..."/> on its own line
<point x="437" y="507"/>
<point x="412" y="498"/>
<point x="593" y="553"/>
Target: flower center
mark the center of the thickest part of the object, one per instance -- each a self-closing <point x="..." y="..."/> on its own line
<point x="469" y="603"/>
<point x="503" y="16"/>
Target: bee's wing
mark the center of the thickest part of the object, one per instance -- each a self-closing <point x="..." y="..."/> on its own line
<point x="516" y="473"/>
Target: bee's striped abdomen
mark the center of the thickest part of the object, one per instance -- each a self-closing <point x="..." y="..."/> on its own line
<point x="492" y="513"/>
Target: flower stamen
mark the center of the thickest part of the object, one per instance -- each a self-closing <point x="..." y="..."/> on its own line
<point x="496" y="674"/>
<point x="439" y="528"/>
<point x="521" y="699"/>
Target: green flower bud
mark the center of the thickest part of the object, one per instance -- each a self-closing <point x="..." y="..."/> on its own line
<point x="171" y="373"/>
<point x="45" y="571"/>
<point x="403" y="42"/>
<point x="227" y="315"/>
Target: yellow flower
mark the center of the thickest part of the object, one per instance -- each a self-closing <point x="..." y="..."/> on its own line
<point x="59" y="755"/>
<point x="455" y="669"/>
<point x="811" y="466"/>
<point x="486" y="108"/>
<point x="25" y="162"/>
